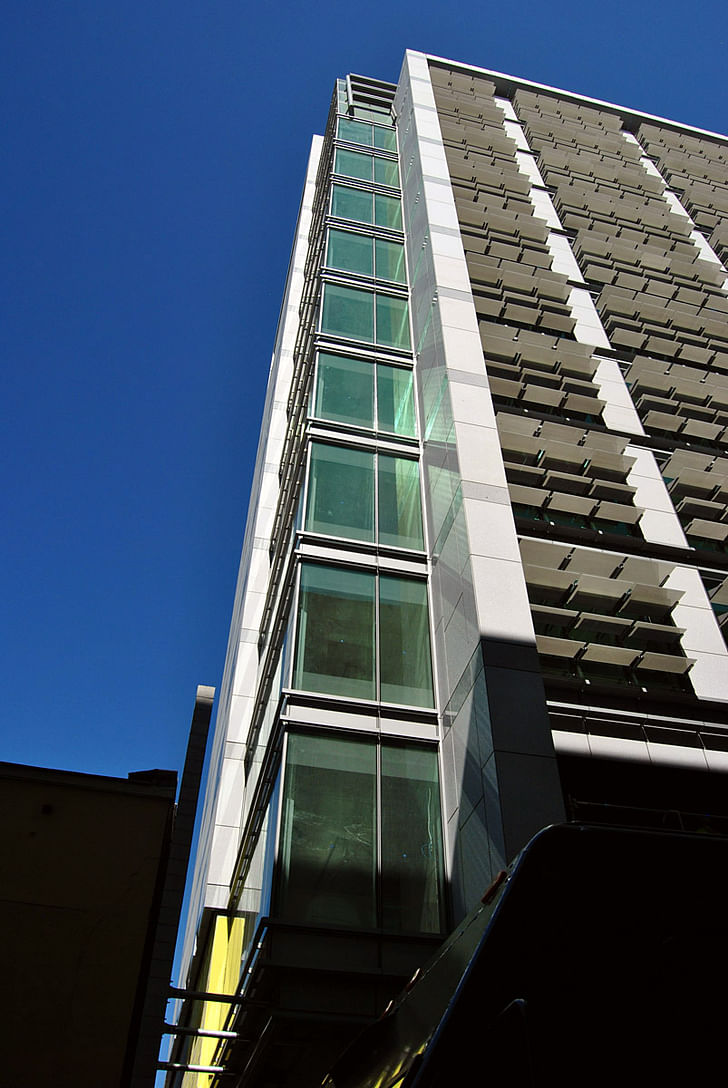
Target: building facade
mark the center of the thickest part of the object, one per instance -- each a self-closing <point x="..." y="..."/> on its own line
<point x="483" y="575"/>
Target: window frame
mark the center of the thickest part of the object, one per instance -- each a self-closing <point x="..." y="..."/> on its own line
<point x="294" y="667"/>
<point x="373" y="276"/>
<point x="376" y="452"/>
<point x="281" y="863"/>
<point x="370" y="152"/>
<point x="373" y="194"/>
<point x="373" y="127"/>
<point x="376" y="295"/>
<point x="376" y="363"/>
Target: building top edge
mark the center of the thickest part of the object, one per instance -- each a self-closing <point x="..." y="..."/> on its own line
<point x="507" y="82"/>
<point x="384" y="83"/>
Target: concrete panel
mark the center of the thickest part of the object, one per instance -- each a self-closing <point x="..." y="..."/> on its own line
<point x="519" y="722"/>
<point x="473" y="466"/>
<point x="675" y="755"/>
<point x="618" y="748"/>
<point x="563" y="260"/>
<point x="570" y="744"/>
<point x="500" y="596"/>
<point x="230" y="796"/>
<point x="619" y="413"/>
<point x="702" y="639"/>
<point x="660" y="523"/>
<point x="530" y="794"/>
<point x="223" y="855"/>
<point x="491" y="530"/>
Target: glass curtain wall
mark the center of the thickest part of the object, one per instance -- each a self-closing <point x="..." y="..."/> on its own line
<point x="362" y="495"/>
<point x="361" y="206"/>
<point x="361" y="393"/>
<point x="363" y="635"/>
<point x="358" y="314"/>
<point x="361" y="835"/>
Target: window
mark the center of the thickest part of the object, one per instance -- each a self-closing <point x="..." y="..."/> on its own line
<point x="364" y="394"/>
<point x="363" y="635"/>
<point x="359" y="132"/>
<point x="363" y="315"/>
<point x="378" y="209"/>
<point x="363" y="495"/>
<point x="366" y="256"/>
<point x="361" y="835"/>
<point x="347" y="311"/>
<point x="358" y="164"/>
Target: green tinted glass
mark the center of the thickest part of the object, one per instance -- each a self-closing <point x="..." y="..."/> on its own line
<point x="335" y="644"/>
<point x="345" y="390"/>
<point x="356" y="132"/>
<point x="387" y="211"/>
<point x="341" y="492"/>
<point x="411" y="838"/>
<point x="395" y="405"/>
<point x="404" y="642"/>
<point x="400" y="512"/>
<point x="385" y="138"/>
<point x="385" y="172"/>
<point x="348" y="203"/>
<point x="389" y="260"/>
<point x="327" y="853"/>
<point x="350" y="252"/>
<point x="392" y="322"/>
<point x="353" y="164"/>
<point x="348" y="312"/>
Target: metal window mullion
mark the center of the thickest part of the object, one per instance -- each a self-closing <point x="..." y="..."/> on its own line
<point x="431" y="629"/>
<point x="376" y="637"/>
<point x="276" y="874"/>
<point x="295" y="606"/>
<point x="375" y="455"/>
<point x="378" y="817"/>
<point x="306" y="482"/>
<point x="375" y="401"/>
<point x="313" y="392"/>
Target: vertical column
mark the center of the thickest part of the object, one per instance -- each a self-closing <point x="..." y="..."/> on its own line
<point x="499" y="768"/>
<point x="225" y="790"/>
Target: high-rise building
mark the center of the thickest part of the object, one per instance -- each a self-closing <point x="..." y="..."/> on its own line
<point x="484" y="570"/>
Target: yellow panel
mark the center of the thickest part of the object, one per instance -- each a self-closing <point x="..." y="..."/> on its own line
<point x="222" y="977"/>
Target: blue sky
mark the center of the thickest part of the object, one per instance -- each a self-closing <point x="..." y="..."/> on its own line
<point x="153" y="159"/>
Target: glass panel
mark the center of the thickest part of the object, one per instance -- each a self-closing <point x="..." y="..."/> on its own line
<point x="381" y="114"/>
<point x="386" y="172"/>
<point x="328" y="832"/>
<point x="350" y="252"/>
<point x="353" y="164"/>
<point x="335" y="644"/>
<point x="404" y="642"/>
<point x="412" y="870"/>
<point x="392" y="322"/>
<point x="387" y="211"/>
<point x="345" y="390"/>
<point x="389" y="260"/>
<point x="400" y="515"/>
<point x="341" y="492"/>
<point x="357" y="132"/>
<point x="348" y="312"/>
<point x="385" y="138"/>
<point x="395" y="405"/>
<point x="347" y="203"/>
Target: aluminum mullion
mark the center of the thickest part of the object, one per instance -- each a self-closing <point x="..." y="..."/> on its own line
<point x="378" y="898"/>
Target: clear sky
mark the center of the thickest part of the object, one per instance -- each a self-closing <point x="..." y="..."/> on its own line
<point x="153" y="160"/>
